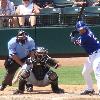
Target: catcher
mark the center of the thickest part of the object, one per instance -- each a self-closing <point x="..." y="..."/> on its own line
<point x="37" y="72"/>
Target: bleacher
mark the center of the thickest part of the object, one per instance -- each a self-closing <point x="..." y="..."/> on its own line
<point x="63" y="14"/>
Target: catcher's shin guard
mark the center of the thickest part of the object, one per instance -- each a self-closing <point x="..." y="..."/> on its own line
<point x="52" y="75"/>
<point x="55" y="88"/>
<point x="24" y="75"/>
<point x="21" y="87"/>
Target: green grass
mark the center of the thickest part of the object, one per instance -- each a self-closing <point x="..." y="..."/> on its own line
<point x="67" y="75"/>
<point x="71" y="75"/>
<point x="2" y="73"/>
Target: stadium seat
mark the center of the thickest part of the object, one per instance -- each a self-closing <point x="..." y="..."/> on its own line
<point x="62" y="3"/>
<point x="71" y="10"/>
<point x="92" y="15"/>
<point x="16" y="2"/>
<point x="69" y="15"/>
<point x="50" y="11"/>
<point x="48" y="16"/>
<point x="92" y="11"/>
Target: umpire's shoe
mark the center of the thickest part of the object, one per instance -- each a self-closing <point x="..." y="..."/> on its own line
<point x="87" y="92"/>
<point x="2" y="87"/>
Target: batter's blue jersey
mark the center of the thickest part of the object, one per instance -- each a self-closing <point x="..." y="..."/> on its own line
<point x="20" y="50"/>
<point x="89" y="42"/>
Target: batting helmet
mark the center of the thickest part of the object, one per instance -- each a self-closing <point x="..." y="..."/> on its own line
<point x="80" y="25"/>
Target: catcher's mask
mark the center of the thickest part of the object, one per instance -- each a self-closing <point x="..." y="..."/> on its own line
<point x="21" y="37"/>
<point x="41" y="52"/>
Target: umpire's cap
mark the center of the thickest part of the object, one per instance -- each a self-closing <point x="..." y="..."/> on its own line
<point x="22" y="36"/>
<point x="80" y="25"/>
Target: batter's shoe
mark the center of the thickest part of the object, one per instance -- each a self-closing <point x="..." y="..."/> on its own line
<point x="18" y="92"/>
<point x="58" y="90"/>
<point x="87" y="92"/>
<point x="2" y="87"/>
<point x="99" y="93"/>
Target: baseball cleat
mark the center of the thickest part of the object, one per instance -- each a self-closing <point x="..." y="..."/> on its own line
<point x="99" y="93"/>
<point x="59" y="90"/>
<point x="29" y="89"/>
<point x="87" y="92"/>
<point x="2" y="87"/>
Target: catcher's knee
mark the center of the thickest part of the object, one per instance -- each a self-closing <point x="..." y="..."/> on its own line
<point x="52" y="75"/>
<point x="24" y="75"/>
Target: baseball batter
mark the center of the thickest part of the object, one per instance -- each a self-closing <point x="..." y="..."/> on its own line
<point x="92" y="47"/>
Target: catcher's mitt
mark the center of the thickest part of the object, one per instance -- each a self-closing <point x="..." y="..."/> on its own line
<point x="74" y="35"/>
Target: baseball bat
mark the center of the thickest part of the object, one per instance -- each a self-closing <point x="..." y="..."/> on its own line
<point x="82" y="10"/>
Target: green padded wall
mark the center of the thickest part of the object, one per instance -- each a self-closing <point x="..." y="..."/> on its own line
<point x="55" y="39"/>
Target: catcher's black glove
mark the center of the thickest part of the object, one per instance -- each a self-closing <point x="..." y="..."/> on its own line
<point x="74" y="35"/>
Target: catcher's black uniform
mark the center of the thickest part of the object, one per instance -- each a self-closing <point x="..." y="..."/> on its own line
<point x="41" y="75"/>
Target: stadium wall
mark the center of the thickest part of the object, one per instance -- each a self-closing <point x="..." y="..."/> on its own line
<point x="55" y="39"/>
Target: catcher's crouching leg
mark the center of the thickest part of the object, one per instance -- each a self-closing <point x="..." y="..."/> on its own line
<point x="21" y="87"/>
<point x="24" y="75"/>
<point x="54" y="82"/>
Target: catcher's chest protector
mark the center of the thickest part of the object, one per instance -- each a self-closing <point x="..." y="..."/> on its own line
<point x="40" y="69"/>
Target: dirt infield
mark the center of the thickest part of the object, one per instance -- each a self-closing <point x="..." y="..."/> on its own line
<point x="72" y="92"/>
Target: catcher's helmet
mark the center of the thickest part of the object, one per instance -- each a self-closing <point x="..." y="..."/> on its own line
<point x="21" y="36"/>
<point x="40" y="53"/>
<point x="80" y="25"/>
<point x="41" y="50"/>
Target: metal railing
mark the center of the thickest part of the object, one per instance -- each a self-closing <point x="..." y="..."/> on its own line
<point x="50" y="20"/>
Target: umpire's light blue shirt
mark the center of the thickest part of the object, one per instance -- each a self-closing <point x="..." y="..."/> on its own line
<point x="20" y="50"/>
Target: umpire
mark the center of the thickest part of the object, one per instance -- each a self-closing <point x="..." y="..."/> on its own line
<point x="20" y="48"/>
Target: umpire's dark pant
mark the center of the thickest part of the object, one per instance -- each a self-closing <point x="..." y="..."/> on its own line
<point x="11" y="67"/>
